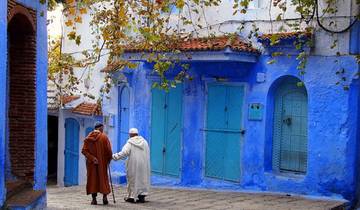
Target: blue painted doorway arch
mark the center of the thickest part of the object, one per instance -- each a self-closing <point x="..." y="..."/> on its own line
<point x="290" y="127"/>
<point x="123" y="115"/>
<point x="71" y="152"/>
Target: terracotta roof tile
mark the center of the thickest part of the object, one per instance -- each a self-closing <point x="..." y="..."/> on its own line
<point x="235" y="43"/>
<point x="286" y="35"/>
<point x="219" y="43"/>
<point x="89" y="109"/>
<point x="68" y="99"/>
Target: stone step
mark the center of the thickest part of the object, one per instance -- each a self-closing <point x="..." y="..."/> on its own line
<point x="16" y="186"/>
<point x="27" y="199"/>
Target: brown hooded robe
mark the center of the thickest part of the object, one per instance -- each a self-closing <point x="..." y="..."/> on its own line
<point x="97" y="145"/>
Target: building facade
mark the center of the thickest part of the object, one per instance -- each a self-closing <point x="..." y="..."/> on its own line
<point x="242" y="123"/>
<point x="23" y="75"/>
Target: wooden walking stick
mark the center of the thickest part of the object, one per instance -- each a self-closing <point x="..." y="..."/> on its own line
<point x="112" y="188"/>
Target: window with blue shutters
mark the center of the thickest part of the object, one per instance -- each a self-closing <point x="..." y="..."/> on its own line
<point x="290" y="127"/>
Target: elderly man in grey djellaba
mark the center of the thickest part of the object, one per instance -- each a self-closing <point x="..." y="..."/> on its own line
<point x="137" y="152"/>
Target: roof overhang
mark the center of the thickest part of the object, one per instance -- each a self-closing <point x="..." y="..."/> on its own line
<point x="226" y="55"/>
<point x="286" y="42"/>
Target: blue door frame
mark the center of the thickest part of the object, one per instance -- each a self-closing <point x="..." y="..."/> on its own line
<point x="166" y="126"/>
<point x="123" y="115"/>
<point x="223" y="131"/>
<point x="71" y="152"/>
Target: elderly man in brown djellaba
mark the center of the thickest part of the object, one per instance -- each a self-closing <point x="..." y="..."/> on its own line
<point x="98" y="153"/>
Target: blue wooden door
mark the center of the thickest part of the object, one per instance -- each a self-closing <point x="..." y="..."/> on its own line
<point x="216" y="119"/>
<point x="290" y="128"/>
<point x="173" y="132"/>
<point x="123" y="116"/>
<point x="71" y="152"/>
<point x="233" y="110"/>
<point x="157" y="130"/>
<point x="223" y="127"/>
<point x="166" y="125"/>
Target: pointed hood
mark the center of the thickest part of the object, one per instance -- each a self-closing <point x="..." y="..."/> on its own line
<point x="137" y="141"/>
<point x="93" y="136"/>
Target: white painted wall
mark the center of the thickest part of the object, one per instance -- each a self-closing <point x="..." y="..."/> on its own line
<point x="90" y="78"/>
<point x="61" y="149"/>
<point x="55" y="21"/>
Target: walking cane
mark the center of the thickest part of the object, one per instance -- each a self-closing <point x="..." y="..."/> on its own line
<point x="112" y="188"/>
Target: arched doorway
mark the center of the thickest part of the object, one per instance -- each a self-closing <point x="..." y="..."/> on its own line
<point x="72" y="128"/>
<point x="290" y="126"/>
<point x="21" y="101"/>
<point x="123" y="115"/>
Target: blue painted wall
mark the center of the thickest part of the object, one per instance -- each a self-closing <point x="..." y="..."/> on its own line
<point x="332" y="126"/>
<point x="41" y="100"/>
<point x="331" y="137"/>
<point x="41" y="94"/>
<point x="355" y="95"/>
<point x="3" y="61"/>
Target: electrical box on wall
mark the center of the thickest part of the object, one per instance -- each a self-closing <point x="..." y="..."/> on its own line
<point x="255" y="111"/>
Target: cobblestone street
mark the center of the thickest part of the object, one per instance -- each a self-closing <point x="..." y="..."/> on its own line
<point x="161" y="198"/>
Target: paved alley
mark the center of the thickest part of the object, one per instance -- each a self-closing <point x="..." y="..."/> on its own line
<point x="161" y="198"/>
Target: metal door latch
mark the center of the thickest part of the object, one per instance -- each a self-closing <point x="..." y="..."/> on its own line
<point x="287" y="121"/>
